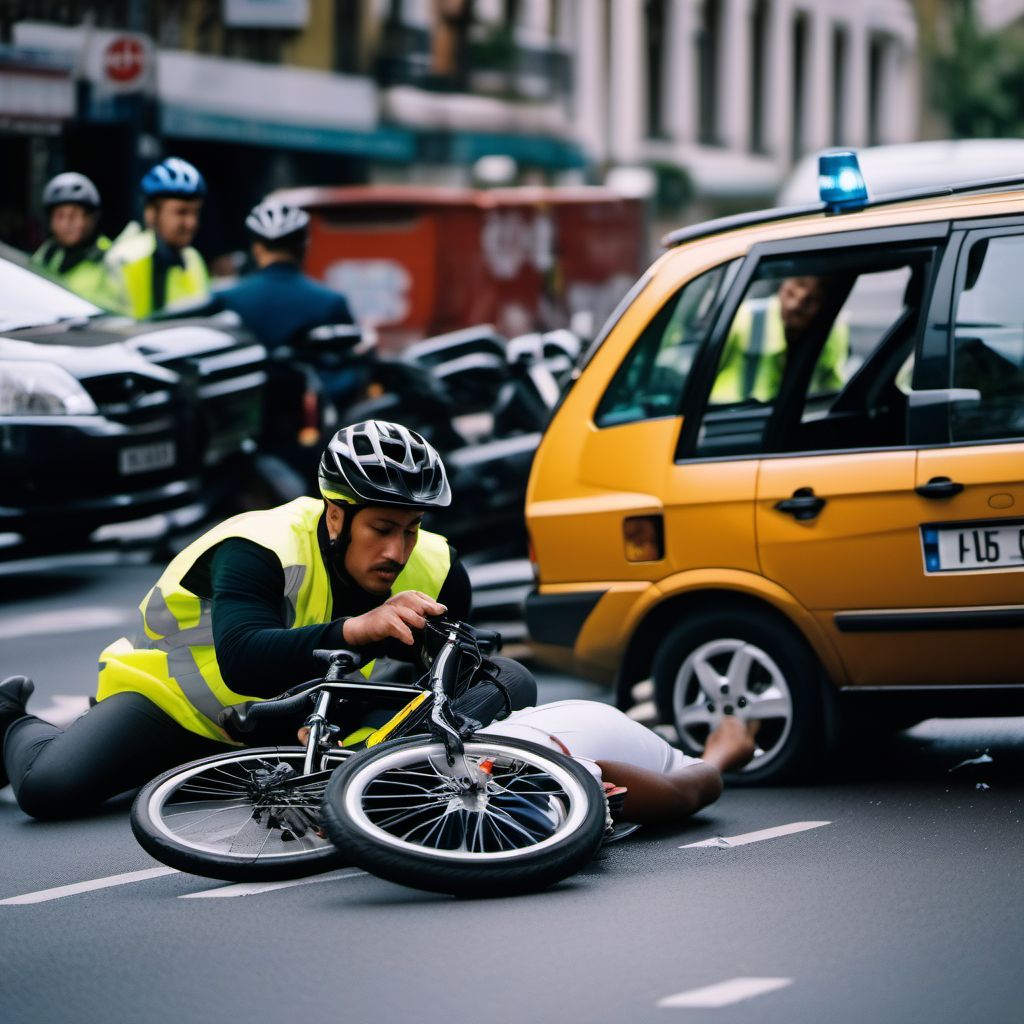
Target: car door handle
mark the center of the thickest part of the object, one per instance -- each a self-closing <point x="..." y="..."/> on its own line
<point x="939" y="487"/>
<point x="804" y="504"/>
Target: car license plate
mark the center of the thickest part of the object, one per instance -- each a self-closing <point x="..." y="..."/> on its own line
<point x="972" y="546"/>
<point x="144" y="458"/>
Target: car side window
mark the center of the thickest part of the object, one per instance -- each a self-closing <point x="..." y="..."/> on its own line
<point x="818" y="356"/>
<point x="988" y="342"/>
<point x="650" y="381"/>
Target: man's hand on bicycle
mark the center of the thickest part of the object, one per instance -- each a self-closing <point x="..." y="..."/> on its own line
<point x="396" y="618"/>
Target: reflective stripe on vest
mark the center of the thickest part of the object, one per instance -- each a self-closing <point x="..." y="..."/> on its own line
<point x="173" y="662"/>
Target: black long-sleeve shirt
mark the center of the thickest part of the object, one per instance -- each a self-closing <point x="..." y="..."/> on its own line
<point x="257" y="653"/>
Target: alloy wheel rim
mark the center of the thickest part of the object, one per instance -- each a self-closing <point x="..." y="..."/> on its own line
<point x="730" y="676"/>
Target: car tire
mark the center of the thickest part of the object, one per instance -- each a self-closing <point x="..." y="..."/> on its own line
<point x="762" y="668"/>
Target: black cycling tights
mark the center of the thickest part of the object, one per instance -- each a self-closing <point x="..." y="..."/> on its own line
<point x="126" y="740"/>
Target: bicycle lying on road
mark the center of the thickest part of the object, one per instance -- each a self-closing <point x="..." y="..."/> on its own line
<point x="429" y="799"/>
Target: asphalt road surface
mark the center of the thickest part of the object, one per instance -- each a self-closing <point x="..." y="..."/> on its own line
<point x="889" y="890"/>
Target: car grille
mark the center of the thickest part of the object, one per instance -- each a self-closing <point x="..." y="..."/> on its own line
<point x="131" y="398"/>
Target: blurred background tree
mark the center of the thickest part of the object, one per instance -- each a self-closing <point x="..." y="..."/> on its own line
<point x="978" y="76"/>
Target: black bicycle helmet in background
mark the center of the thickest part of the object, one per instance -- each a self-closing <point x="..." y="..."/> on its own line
<point x="380" y="463"/>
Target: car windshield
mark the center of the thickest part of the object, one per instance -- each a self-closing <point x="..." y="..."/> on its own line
<point x="27" y="299"/>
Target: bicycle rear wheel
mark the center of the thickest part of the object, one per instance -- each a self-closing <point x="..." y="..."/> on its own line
<point x="244" y="816"/>
<point x="532" y="818"/>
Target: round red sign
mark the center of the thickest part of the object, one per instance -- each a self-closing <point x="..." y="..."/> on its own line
<point x="123" y="60"/>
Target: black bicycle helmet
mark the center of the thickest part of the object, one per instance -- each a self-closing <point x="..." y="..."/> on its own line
<point x="380" y="463"/>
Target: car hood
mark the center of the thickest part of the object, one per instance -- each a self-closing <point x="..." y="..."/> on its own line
<point x="94" y="359"/>
<point x="171" y="343"/>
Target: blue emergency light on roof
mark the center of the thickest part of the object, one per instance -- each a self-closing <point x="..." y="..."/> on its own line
<point x="840" y="182"/>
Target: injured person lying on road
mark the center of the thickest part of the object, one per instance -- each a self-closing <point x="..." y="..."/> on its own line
<point x="658" y="784"/>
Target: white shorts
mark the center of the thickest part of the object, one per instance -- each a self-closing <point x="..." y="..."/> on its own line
<point x="591" y="732"/>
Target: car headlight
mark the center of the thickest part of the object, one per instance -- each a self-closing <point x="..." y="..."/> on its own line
<point x="41" y="389"/>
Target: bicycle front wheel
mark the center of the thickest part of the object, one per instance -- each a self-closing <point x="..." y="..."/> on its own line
<point x="243" y="816"/>
<point x="530" y="818"/>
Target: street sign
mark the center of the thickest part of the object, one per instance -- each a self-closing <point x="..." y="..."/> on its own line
<point x="124" y="61"/>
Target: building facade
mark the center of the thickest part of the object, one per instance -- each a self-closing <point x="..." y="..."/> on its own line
<point x="736" y="90"/>
<point x="273" y="93"/>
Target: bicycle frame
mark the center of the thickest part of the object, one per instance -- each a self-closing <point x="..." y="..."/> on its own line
<point x="428" y="704"/>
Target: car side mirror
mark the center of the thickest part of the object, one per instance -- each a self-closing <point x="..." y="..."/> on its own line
<point x="928" y="413"/>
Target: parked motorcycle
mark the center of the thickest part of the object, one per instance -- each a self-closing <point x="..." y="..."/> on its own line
<point x="482" y="400"/>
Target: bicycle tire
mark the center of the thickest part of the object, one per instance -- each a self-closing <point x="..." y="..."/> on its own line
<point x="556" y="807"/>
<point x="276" y="837"/>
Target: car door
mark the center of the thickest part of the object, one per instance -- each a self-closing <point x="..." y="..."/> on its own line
<point x="837" y="517"/>
<point x="973" y="535"/>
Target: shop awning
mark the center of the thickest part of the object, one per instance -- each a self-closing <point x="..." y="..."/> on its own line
<point x="203" y="97"/>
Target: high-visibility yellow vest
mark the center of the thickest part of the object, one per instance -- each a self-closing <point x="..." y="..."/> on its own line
<point x="754" y="357"/>
<point x="129" y="263"/>
<point x="173" y="662"/>
<point x="88" y="277"/>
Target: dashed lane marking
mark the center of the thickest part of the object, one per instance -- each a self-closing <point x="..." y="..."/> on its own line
<point x="255" y="888"/>
<point x="61" y="621"/>
<point x="725" y="993"/>
<point x="757" y="837"/>
<point x="45" y="895"/>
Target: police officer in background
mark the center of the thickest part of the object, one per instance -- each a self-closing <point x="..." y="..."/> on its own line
<point x="157" y="266"/>
<point x="73" y="254"/>
<point x="237" y="615"/>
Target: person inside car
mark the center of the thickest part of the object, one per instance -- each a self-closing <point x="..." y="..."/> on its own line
<point x="73" y="254"/>
<point x="765" y="331"/>
<point x="237" y="615"/>
<point x="156" y="267"/>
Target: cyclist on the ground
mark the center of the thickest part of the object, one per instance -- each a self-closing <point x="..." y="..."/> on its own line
<point x="73" y="253"/>
<point x="279" y="303"/>
<point x="663" y="785"/>
<point x="763" y="334"/>
<point x="237" y="615"/>
<point x="156" y="267"/>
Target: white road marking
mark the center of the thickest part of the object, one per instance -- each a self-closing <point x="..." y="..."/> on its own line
<point x="45" y="895"/>
<point x="62" y="710"/>
<point x="62" y="621"/>
<point x="757" y="837"/>
<point x="255" y="888"/>
<point x="725" y="993"/>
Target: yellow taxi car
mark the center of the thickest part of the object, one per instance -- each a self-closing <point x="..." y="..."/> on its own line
<point x="788" y="480"/>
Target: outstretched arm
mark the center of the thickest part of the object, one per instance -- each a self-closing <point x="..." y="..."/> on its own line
<point x="662" y="799"/>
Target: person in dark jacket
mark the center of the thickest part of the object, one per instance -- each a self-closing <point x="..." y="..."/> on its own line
<point x="279" y="303"/>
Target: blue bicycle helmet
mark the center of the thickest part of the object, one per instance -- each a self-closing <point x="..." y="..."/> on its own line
<point x="173" y="178"/>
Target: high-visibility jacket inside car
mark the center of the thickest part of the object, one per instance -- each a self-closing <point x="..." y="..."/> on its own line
<point x="173" y="662"/>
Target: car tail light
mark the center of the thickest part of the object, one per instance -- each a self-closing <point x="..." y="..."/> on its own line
<point x="309" y="432"/>
<point x="535" y="568"/>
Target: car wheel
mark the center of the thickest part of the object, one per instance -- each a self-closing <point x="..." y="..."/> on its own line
<point x="752" y="665"/>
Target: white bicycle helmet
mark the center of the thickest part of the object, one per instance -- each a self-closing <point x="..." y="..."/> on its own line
<point x="71" y="187"/>
<point x="380" y="463"/>
<point x="272" y="220"/>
